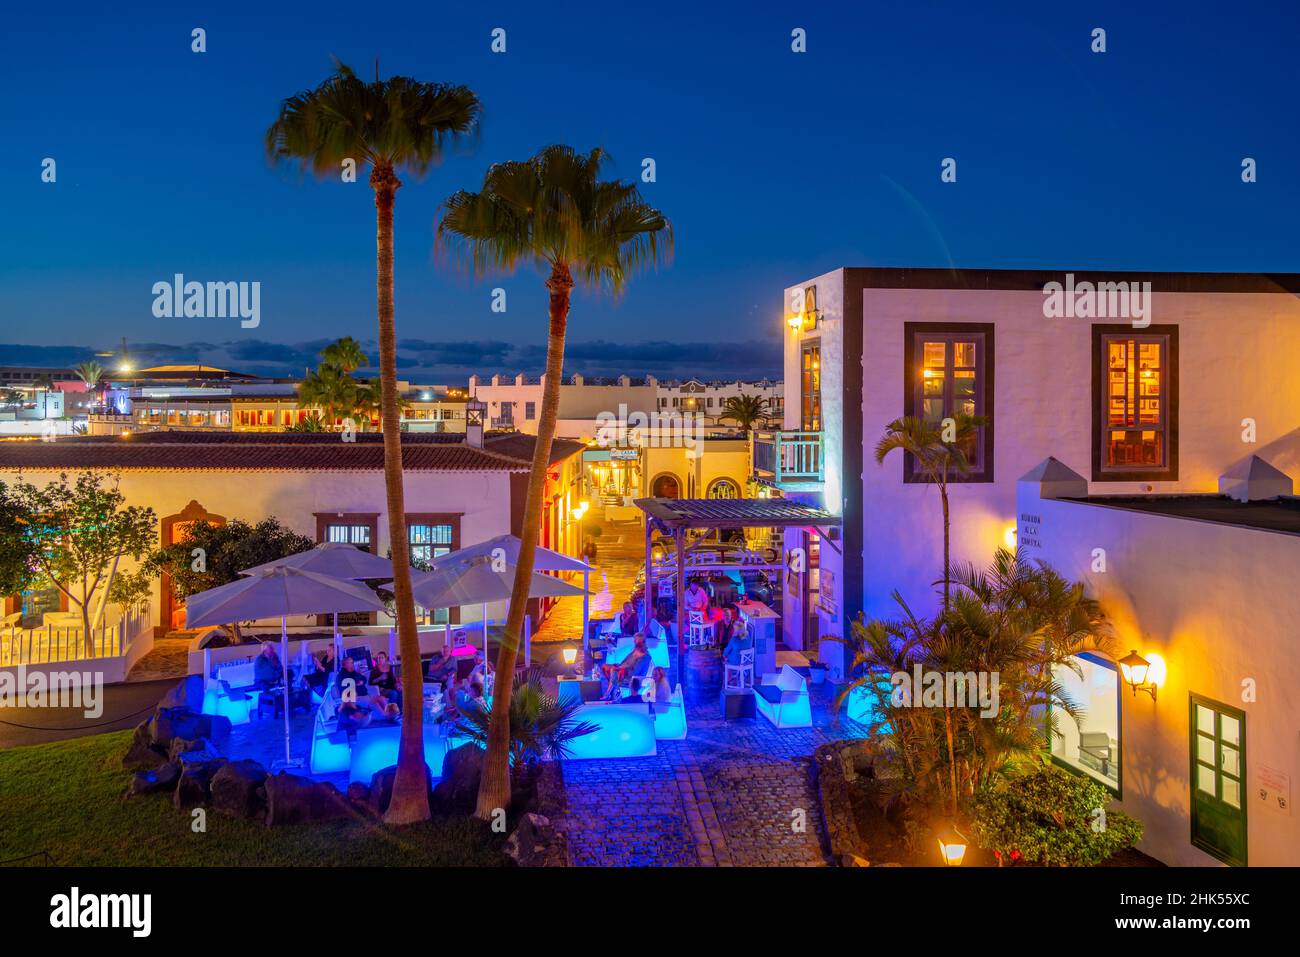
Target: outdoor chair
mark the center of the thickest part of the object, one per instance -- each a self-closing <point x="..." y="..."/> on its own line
<point x="782" y="698"/>
<point x="698" y="630"/>
<point x="740" y="676"/>
<point x="1094" y="750"/>
<point x="670" y="717"/>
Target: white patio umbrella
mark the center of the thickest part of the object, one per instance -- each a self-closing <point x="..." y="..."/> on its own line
<point x="506" y="548"/>
<point x="278" y="593"/>
<point x="337" y="559"/>
<point x="474" y="582"/>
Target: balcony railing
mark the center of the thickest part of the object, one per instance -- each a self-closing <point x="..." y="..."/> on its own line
<point x="789" y="456"/>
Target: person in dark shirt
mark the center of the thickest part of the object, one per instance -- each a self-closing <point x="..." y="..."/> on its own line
<point x="628" y="620"/>
<point x="633" y="693"/>
<point x="318" y="678"/>
<point x="351" y="682"/>
<point x="267" y="670"/>
<point x="384" y="680"/>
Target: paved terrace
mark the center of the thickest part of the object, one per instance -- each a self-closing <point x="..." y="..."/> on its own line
<point x="734" y="793"/>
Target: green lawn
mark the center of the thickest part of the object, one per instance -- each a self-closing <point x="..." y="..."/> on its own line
<point x="67" y="799"/>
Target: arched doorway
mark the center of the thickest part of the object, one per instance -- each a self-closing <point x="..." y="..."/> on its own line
<point x="176" y="528"/>
<point x="723" y="488"/>
<point x="666" y="485"/>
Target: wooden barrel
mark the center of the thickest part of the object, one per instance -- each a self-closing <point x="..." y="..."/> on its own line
<point x="703" y="672"/>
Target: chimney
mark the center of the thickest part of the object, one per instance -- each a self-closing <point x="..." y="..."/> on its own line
<point x="1254" y="480"/>
<point x="475" y="413"/>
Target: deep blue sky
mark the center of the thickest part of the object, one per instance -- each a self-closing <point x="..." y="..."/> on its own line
<point x="772" y="166"/>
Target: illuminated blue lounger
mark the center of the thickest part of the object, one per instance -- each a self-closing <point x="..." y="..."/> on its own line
<point x="670" y="717"/>
<point x="782" y="698"/>
<point x="862" y="705"/>
<point x="622" y="731"/>
<point x="230" y="694"/>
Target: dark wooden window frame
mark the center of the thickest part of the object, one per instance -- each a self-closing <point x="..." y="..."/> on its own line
<point x="439" y="518"/>
<point x="370" y="519"/>
<point x="806" y="346"/>
<point x="1170" y="472"/>
<point x="986" y="365"/>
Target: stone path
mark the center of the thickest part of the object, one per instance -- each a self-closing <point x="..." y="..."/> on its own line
<point x="735" y="793"/>
<point x="169" y="658"/>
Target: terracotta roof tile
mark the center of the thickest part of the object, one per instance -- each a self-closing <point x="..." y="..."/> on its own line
<point x="242" y="451"/>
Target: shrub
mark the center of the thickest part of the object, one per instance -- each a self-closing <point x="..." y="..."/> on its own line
<point x="1052" y="818"/>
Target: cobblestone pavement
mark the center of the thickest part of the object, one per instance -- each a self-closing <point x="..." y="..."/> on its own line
<point x="169" y="658"/>
<point x="734" y="793"/>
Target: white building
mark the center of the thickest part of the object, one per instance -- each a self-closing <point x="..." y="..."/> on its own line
<point x="516" y="403"/>
<point x="1156" y="399"/>
<point x="457" y="493"/>
<point x="709" y="399"/>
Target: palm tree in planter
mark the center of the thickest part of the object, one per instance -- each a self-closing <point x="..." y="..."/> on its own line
<point x="395" y="125"/>
<point x="555" y="212"/>
<point x="938" y="451"/>
<point x="745" y="410"/>
<point x="540" y="727"/>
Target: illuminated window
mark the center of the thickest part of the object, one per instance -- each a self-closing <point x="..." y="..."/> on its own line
<point x="949" y="372"/>
<point x="810" y="386"/>
<point x="1136" y="403"/>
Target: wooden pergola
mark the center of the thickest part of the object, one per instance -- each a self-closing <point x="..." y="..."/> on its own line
<point x="675" y="516"/>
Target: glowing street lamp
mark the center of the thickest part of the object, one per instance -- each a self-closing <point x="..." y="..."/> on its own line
<point x="570" y="655"/>
<point x="952" y="846"/>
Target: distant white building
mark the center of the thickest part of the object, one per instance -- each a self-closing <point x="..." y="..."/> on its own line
<point x="709" y="399"/>
<point x="516" y="403"/>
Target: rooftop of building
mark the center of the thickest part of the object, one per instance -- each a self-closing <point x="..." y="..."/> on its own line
<point x="1273" y="515"/>
<point x="276" y="451"/>
<point x="884" y="277"/>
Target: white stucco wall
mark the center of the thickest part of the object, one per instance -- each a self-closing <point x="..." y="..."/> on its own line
<point x="293" y="497"/>
<point x="1237" y="359"/>
<point x="1219" y="604"/>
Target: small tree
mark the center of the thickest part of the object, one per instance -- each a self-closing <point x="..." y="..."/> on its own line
<point x="17" y="546"/>
<point x="214" y="555"/>
<point x="80" y="532"/>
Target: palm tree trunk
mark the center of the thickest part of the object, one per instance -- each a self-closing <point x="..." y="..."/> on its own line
<point x="943" y="496"/>
<point x="494" y="788"/>
<point x="410" y="800"/>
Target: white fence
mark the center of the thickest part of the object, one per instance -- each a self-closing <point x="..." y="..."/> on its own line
<point x="129" y="635"/>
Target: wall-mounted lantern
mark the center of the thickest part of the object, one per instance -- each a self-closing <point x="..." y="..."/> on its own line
<point x="1137" y="674"/>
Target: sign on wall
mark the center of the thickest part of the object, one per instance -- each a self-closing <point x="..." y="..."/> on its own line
<point x="1027" y="533"/>
<point x="826" y="594"/>
<point x="1273" y="788"/>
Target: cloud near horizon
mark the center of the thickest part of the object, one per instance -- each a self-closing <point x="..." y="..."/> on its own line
<point x="434" y="361"/>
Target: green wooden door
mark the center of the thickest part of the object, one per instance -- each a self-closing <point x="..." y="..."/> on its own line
<point x="1218" y="745"/>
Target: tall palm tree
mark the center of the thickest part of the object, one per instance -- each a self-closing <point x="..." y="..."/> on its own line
<point x="395" y="125"/>
<point x="555" y="212"/>
<point x="90" y="372"/>
<point x="936" y="457"/>
<point x="345" y="354"/>
<point x="745" y="410"/>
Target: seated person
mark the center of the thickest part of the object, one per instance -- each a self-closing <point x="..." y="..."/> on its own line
<point x="469" y="697"/>
<point x="267" y="669"/>
<point x="384" y="679"/>
<point x="318" y="678"/>
<point x="739" y="640"/>
<point x="628" y="620"/>
<point x="633" y="693"/>
<point x="637" y="663"/>
<point x="350" y="683"/>
<point x="663" y="692"/>
<point x="611" y="688"/>
<point x="441" y="668"/>
<point x="481" y="668"/>
<point x="697" y="599"/>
